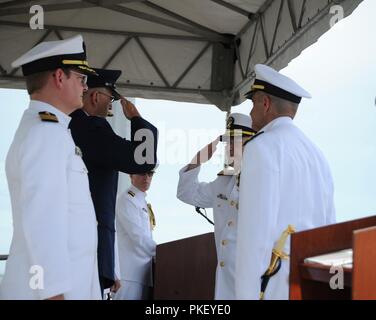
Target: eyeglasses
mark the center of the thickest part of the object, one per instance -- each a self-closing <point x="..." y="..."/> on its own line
<point x="83" y="77"/>
<point x="107" y="95"/>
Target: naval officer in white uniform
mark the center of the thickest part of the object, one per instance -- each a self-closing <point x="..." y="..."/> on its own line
<point x="135" y="222"/>
<point x="285" y="179"/>
<point x="221" y="195"/>
<point x="54" y="244"/>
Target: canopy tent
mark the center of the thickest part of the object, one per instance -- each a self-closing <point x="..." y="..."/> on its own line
<point x="200" y="51"/>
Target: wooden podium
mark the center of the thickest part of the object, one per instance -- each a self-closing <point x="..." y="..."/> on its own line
<point x="185" y="269"/>
<point x="311" y="281"/>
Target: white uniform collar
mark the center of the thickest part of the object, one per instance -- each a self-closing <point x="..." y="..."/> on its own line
<point x="138" y="193"/>
<point x="38" y="106"/>
<point x="276" y="122"/>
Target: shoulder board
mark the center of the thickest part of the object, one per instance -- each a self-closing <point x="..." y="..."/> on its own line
<point x="228" y="174"/>
<point x="254" y="137"/>
<point x="131" y="193"/>
<point x="48" y="116"/>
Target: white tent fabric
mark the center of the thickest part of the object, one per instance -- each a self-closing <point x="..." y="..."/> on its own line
<point x="199" y="51"/>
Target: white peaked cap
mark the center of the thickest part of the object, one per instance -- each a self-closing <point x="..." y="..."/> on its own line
<point x="50" y="55"/>
<point x="51" y="48"/>
<point x="238" y="124"/>
<point x="242" y="120"/>
<point x="277" y="84"/>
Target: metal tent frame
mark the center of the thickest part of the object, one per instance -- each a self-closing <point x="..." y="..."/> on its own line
<point x="199" y="51"/>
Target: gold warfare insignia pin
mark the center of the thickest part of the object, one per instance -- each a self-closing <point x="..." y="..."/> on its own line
<point x="229" y="123"/>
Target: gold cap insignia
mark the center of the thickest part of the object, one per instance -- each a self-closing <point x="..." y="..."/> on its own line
<point x="229" y="123"/>
<point x="257" y="87"/>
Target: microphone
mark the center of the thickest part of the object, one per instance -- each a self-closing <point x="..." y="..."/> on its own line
<point x="198" y="210"/>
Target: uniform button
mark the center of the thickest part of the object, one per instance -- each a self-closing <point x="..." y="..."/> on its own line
<point x="222" y="264"/>
<point x="230" y="223"/>
<point x="218" y="205"/>
<point x="224" y="242"/>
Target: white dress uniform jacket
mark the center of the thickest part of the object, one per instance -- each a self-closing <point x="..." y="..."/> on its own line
<point x="285" y="180"/>
<point x="136" y="247"/>
<point x="221" y="195"/>
<point x="53" y="215"/>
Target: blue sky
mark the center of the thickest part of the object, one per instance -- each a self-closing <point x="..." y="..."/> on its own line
<point x="339" y="71"/>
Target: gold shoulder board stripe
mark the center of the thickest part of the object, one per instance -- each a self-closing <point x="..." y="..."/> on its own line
<point x="253" y="137"/>
<point x="48" y="116"/>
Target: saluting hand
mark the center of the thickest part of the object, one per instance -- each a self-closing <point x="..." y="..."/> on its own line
<point x="203" y="155"/>
<point x="129" y="109"/>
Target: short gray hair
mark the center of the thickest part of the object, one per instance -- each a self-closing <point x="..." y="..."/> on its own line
<point x="281" y="105"/>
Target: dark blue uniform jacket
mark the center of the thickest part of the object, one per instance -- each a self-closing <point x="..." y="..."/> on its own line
<point x="104" y="154"/>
